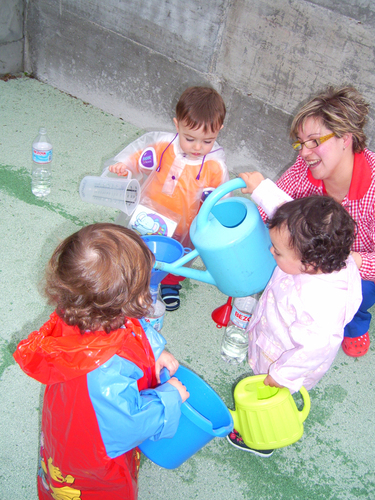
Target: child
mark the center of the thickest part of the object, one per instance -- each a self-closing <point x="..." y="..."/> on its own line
<point x="100" y="363"/>
<point x="185" y="167"/>
<point x="315" y="290"/>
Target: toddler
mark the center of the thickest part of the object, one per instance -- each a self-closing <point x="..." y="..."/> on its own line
<point x="100" y="362"/>
<point x="315" y="290"/>
<point x="177" y="172"/>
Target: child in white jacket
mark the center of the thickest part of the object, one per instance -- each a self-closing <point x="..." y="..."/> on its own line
<point x="315" y="290"/>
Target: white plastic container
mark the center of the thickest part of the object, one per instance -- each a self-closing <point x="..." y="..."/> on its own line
<point x="156" y="315"/>
<point x="235" y="341"/>
<point x="116" y="192"/>
<point x="157" y="311"/>
<point x="41" y="174"/>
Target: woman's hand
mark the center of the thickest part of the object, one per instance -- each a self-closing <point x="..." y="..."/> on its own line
<point x="252" y="179"/>
<point x="181" y="388"/>
<point x="166" y="360"/>
<point x="119" y="169"/>
<point x="357" y="259"/>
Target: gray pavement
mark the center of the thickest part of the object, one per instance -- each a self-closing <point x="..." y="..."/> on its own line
<point x="335" y="457"/>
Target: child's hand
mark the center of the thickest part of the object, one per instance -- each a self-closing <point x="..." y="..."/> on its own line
<point x="181" y="388"/>
<point x="167" y="360"/>
<point x="252" y="179"/>
<point x="119" y="169"/>
<point x="272" y="382"/>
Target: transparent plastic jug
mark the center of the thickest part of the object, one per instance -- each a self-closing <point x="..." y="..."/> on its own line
<point x="116" y="192"/>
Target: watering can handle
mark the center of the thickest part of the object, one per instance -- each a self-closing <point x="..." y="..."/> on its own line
<point x="214" y="197"/>
<point x="306" y="404"/>
<point x="306" y="399"/>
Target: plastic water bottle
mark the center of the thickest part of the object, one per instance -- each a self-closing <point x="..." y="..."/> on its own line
<point x="41" y="169"/>
<point x="235" y="341"/>
<point x="157" y="311"/>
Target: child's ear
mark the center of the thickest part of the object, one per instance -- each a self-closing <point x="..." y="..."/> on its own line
<point x="176" y="123"/>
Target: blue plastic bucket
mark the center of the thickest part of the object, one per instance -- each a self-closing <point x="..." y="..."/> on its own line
<point x="203" y="417"/>
<point x="166" y="250"/>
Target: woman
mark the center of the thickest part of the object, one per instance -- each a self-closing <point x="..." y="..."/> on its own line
<point x="333" y="160"/>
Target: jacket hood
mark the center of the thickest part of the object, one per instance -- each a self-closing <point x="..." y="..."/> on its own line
<point x="59" y="352"/>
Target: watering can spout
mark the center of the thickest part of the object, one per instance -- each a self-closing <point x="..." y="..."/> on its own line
<point x="178" y="269"/>
<point x="236" y="422"/>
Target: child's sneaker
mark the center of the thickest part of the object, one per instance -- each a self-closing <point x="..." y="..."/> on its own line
<point x="236" y="440"/>
<point x="170" y="296"/>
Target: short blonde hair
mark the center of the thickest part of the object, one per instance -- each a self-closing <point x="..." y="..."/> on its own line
<point x="341" y="110"/>
<point x="100" y="275"/>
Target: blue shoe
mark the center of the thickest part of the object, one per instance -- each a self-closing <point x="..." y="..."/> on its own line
<point x="170" y="296"/>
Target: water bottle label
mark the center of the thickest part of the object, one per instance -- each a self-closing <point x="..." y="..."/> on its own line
<point x="40" y="156"/>
<point x="240" y="318"/>
<point x="156" y="323"/>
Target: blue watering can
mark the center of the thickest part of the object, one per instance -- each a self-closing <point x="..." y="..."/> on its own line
<point x="233" y="243"/>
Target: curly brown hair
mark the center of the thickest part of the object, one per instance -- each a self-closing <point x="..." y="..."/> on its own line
<point x="98" y="276"/>
<point x="321" y="232"/>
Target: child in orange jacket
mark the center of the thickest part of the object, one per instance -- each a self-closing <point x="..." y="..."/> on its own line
<point x="177" y="172"/>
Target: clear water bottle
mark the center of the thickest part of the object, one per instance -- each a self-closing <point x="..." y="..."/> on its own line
<point x="41" y="169"/>
<point x="157" y="311"/>
<point x="235" y="341"/>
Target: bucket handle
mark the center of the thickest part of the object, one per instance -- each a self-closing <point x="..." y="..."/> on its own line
<point x="214" y="197"/>
<point x="195" y="417"/>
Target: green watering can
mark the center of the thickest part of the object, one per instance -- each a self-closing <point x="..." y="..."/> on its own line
<point x="267" y="417"/>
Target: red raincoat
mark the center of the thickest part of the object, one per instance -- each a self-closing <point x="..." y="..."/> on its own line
<point x="74" y="461"/>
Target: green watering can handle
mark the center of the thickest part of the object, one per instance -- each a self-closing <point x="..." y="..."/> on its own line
<point x="306" y="404"/>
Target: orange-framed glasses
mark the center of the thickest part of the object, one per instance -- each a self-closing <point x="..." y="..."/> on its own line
<point x="311" y="143"/>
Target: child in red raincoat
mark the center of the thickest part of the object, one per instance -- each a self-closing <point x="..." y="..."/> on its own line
<point x="100" y="362"/>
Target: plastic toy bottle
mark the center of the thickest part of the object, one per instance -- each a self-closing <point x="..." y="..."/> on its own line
<point x="41" y="168"/>
<point x="235" y="341"/>
<point x="156" y="315"/>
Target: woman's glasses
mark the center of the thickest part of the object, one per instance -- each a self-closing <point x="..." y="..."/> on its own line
<point x="311" y="143"/>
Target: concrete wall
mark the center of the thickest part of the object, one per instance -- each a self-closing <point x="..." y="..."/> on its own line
<point x="133" y="58"/>
<point x="11" y="36"/>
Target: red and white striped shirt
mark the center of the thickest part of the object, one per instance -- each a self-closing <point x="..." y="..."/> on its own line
<point x="298" y="182"/>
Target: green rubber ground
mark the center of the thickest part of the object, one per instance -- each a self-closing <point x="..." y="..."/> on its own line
<point x="335" y="457"/>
